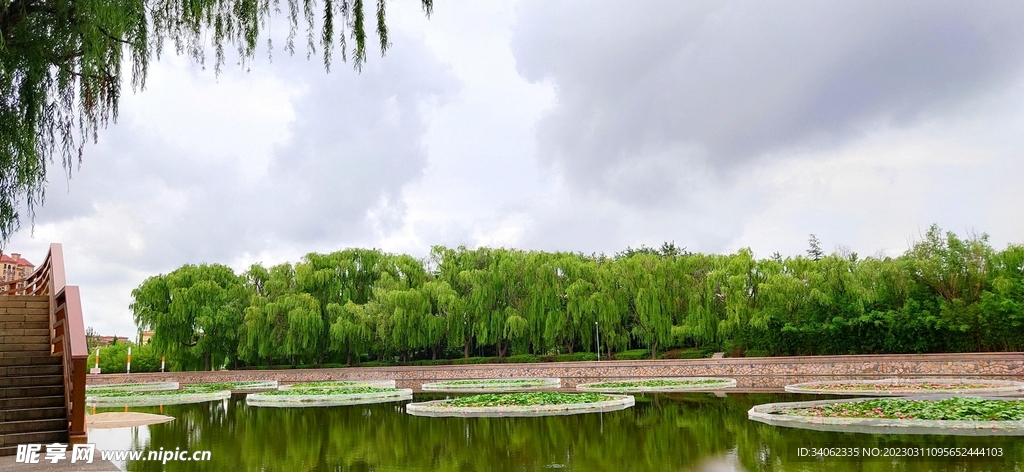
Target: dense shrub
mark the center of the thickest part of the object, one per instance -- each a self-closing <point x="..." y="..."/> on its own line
<point x="375" y="364"/>
<point x="757" y="353"/>
<point x="632" y="355"/>
<point x="574" y="357"/>
<point x="475" y="360"/>
<point x="431" y="362"/>
<point x="522" y="358"/>
<point x="114" y="358"/>
<point x="692" y="353"/>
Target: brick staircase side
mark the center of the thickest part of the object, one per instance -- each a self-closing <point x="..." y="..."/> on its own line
<point x="32" y="409"/>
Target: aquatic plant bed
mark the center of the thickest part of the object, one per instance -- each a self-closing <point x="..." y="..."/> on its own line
<point x="491" y="385"/>
<point x="133" y="387"/>
<point x="188" y="394"/>
<point x="328" y="396"/>
<point x="939" y="414"/>
<point x="244" y="386"/>
<point x="340" y="383"/>
<point x="678" y="384"/>
<point x="903" y="387"/>
<point x="522" y="404"/>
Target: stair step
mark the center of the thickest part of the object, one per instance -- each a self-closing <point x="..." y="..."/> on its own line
<point x="33" y="426"/>
<point x="22" y="359"/>
<point x="43" y="338"/>
<point x="27" y="414"/>
<point x="43" y="391"/>
<point x="25" y="318"/>
<point x="6" y="324"/>
<point x="12" y="299"/>
<point x="27" y="332"/>
<point x="23" y="347"/>
<point x="11" y="441"/>
<point x="32" y="381"/>
<point x="31" y="402"/>
<point x="31" y="370"/>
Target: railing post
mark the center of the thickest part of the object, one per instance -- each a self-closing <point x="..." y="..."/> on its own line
<point x="76" y="354"/>
<point x="76" y="429"/>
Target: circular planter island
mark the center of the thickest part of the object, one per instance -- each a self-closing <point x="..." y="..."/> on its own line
<point x="491" y="385"/>
<point x="339" y="384"/>
<point x="904" y="387"/>
<point x="522" y="404"/>
<point x="939" y="414"/>
<point x="132" y="387"/>
<point x="667" y="384"/>
<point x="187" y="394"/>
<point x="238" y="386"/>
<point x="328" y="396"/>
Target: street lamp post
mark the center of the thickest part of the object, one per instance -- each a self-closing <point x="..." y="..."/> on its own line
<point x="597" y="334"/>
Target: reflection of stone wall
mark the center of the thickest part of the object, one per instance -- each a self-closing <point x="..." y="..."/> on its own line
<point x="750" y="373"/>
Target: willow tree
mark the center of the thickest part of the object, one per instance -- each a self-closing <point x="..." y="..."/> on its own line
<point x="62" y="62"/>
<point x="194" y="311"/>
<point x="352" y="330"/>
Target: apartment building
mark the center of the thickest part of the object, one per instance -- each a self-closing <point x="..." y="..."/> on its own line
<point x="14" y="267"/>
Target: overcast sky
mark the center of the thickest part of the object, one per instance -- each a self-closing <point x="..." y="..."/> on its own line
<point x="555" y="125"/>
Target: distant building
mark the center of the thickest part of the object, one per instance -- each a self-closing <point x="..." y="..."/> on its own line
<point x="144" y="337"/>
<point x="108" y="340"/>
<point x="15" y="268"/>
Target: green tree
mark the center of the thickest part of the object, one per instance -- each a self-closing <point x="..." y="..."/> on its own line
<point x="61" y="64"/>
<point x="194" y="312"/>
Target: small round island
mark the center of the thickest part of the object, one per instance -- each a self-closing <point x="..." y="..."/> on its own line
<point x="126" y="397"/>
<point x="328" y="396"/>
<point x="904" y="387"/>
<point x="522" y="404"/>
<point x="934" y="414"/>
<point x="667" y="384"/>
<point x="492" y="385"/>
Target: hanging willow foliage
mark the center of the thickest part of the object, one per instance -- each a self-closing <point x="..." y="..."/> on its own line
<point x="61" y="66"/>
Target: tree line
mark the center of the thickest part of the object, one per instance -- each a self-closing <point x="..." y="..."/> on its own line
<point x="944" y="294"/>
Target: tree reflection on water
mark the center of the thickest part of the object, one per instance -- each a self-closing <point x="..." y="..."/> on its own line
<point x="662" y="432"/>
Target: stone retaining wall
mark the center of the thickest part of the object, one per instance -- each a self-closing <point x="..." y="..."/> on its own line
<point x="756" y="373"/>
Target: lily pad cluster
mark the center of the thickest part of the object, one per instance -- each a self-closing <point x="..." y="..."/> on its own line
<point x="336" y="390"/>
<point x="659" y="385"/>
<point x="491" y="385"/>
<point x="947" y="409"/>
<point x="236" y="386"/>
<point x="193" y="393"/>
<point x="337" y="395"/>
<point x="905" y="387"/>
<point x="524" y="399"/>
<point x="132" y="387"/>
<point x="339" y="383"/>
<point x="522" y="404"/>
<point x="188" y="389"/>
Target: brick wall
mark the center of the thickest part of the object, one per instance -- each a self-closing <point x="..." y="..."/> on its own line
<point x="767" y="373"/>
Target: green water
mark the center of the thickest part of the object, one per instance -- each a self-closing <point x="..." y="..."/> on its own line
<point x="665" y="432"/>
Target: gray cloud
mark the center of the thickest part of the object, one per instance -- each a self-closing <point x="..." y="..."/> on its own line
<point x="727" y="82"/>
<point x="162" y="188"/>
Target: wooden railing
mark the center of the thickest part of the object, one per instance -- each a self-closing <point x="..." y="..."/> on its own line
<point x="67" y="331"/>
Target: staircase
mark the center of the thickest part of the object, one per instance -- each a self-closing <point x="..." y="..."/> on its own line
<point x="31" y="380"/>
<point x="42" y="359"/>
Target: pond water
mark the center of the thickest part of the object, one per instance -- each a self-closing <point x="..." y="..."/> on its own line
<point x="694" y="431"/>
